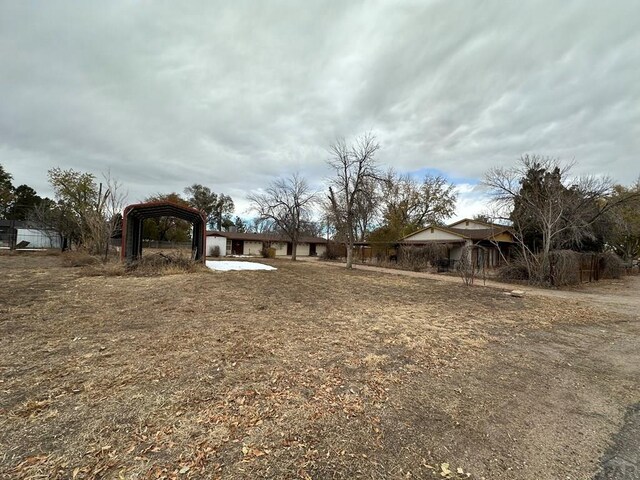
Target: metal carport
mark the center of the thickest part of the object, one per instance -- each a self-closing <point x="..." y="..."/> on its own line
<point x="134" y="216"/>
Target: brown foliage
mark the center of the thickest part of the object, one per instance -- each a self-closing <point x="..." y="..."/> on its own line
<point x="334" y="251"/>
<point x="164" y="264"/>
<point x="78" y="258"/>
<point x="419" y="258"/>
<point x="612" y="266"/>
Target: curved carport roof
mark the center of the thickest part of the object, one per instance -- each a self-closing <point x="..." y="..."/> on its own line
<point x="135" y="214"/>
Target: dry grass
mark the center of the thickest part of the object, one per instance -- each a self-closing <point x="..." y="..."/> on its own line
<point x="78" y="259"/>
<point x="307" y="372"/>
<point x="173" y="263"/>
<point x="155" y="264"/>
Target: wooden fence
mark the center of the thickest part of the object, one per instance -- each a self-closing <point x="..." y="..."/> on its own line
<point x="591" y="267"/>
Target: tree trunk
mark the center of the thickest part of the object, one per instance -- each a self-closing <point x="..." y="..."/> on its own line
<point x="350" y="251"/>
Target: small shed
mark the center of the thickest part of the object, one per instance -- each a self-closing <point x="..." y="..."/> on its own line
<point x="28" y="235"/>
<point x="134" y="216"/>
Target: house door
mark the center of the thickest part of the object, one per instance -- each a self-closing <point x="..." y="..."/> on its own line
<point x="312" y="250"/>
<point x="289" y="248"/>
<point x="237" y="246"/>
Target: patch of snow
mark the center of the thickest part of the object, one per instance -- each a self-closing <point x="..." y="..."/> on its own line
<point x="225" y="266"/>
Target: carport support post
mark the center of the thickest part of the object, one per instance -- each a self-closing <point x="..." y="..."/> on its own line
<point x="139" y="237"/>
<point x="131" y="238"/>
<point x="199" y="241"/>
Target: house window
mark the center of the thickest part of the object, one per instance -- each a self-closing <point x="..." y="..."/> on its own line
<point x="228" y="246"/>
<point x="431" y="229"/>
<point x="466" y="223"/>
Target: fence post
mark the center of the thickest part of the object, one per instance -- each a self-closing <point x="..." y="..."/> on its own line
<point x="12" y="235"/>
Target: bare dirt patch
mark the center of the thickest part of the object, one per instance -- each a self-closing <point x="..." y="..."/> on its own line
<point x="305" y="372"/>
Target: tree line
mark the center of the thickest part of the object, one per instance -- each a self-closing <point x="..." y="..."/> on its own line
<point x="362" y="202"/>
<point x="86" y="211"/>
<point x="549" y="209"/>
<point x="546" y="207"/>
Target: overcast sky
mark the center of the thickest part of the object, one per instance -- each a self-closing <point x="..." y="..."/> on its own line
<point x="233" y="94"/>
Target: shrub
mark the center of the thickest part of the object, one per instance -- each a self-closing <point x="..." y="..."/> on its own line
<point x="214" y="251"/>
<point x="164" y="264"/>
<point x="563" y="268"/>
<point x="471" y="264"/>
<point x="612" y="265"/>
<point x="78" y="258"/>
<point x="334" y="251"/>
<point x="267" y="252"/>
<point x="418" y="258"/>
<point x="514" y="271"/>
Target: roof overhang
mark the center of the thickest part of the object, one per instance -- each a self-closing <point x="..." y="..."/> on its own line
<point x="433" y="227"/>
<point x="422" y="242"/>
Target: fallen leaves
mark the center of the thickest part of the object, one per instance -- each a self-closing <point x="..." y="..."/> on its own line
<point x="253" y="452"/>
<point x="171" y="380"/>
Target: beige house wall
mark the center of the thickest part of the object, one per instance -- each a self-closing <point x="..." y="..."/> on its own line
<point x="469" y="225"/>
<point x="251" y="248"/>
<point x="302" y="250"/>
<point x="281" y="248"/>
<point x="219" y="242"/>
<point x="432" y="234"/>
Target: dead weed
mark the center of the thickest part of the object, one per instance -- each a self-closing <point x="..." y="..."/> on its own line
<point x="312" y="372"/>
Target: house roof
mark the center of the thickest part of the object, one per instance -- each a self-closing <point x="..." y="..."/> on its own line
<point x="407" y="238"/>
<point x="479" y="233"/>
<point x="463" y="233"/>
<point x="263" y="237"/>
<point x="481" y="222"/>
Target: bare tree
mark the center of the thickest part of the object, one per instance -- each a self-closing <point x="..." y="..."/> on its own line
<point x="288" y="203"/>
<point x="110" y="207"/>
<point x="367" y="208"/>
<point x="54" y="222"/>
<point x="624" y="235"/>
<point x="547" y="208"/>
<point x="261" y="225"/>
<point x="472" y="263"/>
<point x="354" y="167"/>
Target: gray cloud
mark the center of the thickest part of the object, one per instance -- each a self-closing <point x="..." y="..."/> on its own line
<point x="231" y="94"/>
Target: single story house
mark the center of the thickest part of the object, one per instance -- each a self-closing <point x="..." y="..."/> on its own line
<point x="27" y="235"/>
<point x="494" y="241"/>
<point x="242" y="243"/>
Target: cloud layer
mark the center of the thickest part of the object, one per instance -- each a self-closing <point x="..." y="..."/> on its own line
<point x="232" y="94"/>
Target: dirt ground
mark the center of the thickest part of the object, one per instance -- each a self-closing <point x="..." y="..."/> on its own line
<point x="311" y="372"/>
